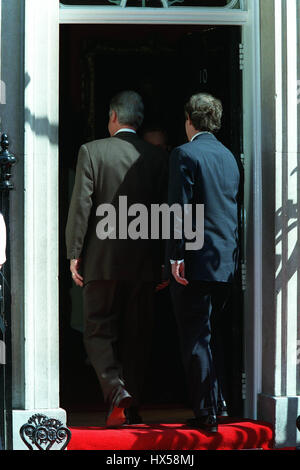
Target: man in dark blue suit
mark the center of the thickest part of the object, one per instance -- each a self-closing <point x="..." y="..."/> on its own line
<point x="204" y="172"/>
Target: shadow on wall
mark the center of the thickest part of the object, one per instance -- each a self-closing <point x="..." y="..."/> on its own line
<point x="287" y="265"/>
<point x="40" y="125"/>
<point x="286" y="221"/>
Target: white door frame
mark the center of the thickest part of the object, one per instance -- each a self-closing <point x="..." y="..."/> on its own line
<point x="249" y="21"/>
<point x="41" y="347"/>
<point x="253" y="207"/>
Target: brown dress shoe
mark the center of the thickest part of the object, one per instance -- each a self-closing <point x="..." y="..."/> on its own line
<point x="120" y="399"/>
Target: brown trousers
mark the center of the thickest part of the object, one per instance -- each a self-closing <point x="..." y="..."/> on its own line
<point x="117" y="332"/>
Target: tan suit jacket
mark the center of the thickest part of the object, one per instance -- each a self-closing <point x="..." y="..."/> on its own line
<point x="123" y="165"/>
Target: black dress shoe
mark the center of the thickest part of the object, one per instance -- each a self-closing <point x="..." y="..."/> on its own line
<point x="207" y="423"/>
<point x="119" y="400"/>
<point x="132" y="416"/>
<point x="222" y="410"/>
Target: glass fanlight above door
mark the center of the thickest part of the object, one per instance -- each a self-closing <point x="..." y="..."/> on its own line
<point x="231" y="4"/>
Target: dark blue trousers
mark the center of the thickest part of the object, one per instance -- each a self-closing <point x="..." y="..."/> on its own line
<point x="202" y="353"/>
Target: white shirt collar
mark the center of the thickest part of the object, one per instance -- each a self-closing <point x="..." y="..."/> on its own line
<point x="199" y="133"/>
<point x="125" y="129"/>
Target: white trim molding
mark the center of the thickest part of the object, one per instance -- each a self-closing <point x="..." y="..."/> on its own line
<point x="75" y="14"/>
<point x="253" y="208"/>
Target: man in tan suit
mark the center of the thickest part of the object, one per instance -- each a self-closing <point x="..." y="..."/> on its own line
<point x="117" y="273"/>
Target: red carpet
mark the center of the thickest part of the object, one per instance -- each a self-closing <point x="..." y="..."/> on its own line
<point x="243" y="434"/>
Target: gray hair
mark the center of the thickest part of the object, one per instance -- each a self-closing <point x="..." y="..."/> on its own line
<point x="205" y="112"/>
<point x="129" y="108"/>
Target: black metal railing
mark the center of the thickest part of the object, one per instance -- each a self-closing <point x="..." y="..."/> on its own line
<point x="298" y="427"/>
<point x="7" y="160"/>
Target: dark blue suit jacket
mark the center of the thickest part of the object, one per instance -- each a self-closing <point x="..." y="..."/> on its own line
<point x="205" y="172"/>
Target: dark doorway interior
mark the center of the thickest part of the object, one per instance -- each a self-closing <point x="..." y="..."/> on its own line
<point x="165" y="64"/>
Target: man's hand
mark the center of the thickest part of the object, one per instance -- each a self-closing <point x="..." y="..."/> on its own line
<point x="163" y="283"/>
<point x="74" y="267"/>
<point x="178" y="273"/>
